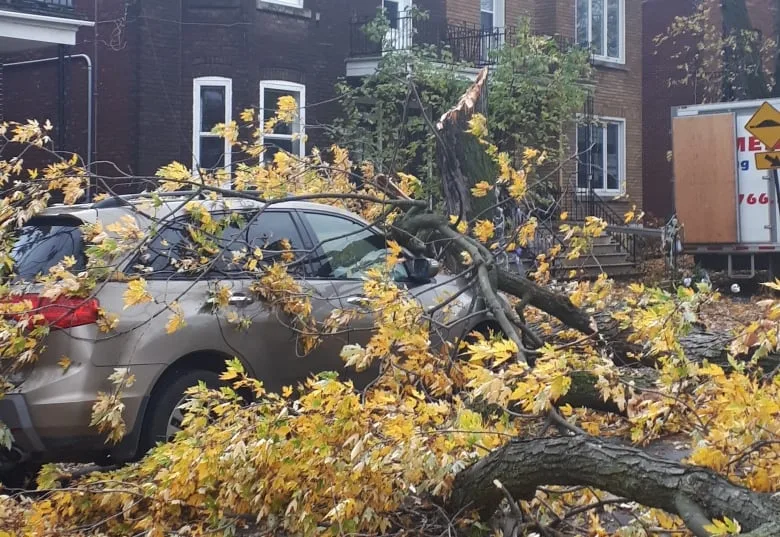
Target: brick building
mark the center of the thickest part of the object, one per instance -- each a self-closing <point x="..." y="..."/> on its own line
<point x="165" y="71"/>
<point x="661" y="66"/>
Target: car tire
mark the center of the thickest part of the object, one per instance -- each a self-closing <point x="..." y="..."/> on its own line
<point x="163" y="404"/>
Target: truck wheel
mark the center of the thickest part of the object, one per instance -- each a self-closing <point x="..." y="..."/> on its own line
<point x="163" y="416"/>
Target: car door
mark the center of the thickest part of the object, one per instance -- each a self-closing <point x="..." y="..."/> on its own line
<point x="347" y="247"/>
<point x="266" y="337"/>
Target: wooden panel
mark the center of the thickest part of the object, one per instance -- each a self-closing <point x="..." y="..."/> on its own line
<point x="705" y="176"/>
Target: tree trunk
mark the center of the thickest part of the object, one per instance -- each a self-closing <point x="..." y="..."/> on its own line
<point x="694" y="493"/>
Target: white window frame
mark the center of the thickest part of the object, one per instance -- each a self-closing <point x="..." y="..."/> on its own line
<point x="288" y="3"/>
<point x="622" y="169"/>
<point x="283" y="85"/>
<point x="499" y="13"/>
<point x="197" y="134"/>
<point x="621" y="58"/>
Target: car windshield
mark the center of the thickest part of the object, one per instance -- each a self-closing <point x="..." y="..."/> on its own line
<point x="45" y="242"/>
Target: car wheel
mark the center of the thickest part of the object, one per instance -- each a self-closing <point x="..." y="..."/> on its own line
<point x="164" y="415"/>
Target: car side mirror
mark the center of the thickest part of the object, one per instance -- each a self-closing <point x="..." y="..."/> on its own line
<point x="423" y="269"/>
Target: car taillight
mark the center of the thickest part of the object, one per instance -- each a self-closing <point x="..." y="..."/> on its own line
<point x="62" y="312"/>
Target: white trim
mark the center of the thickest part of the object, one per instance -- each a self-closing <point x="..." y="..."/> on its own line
<point x="499" y="13"/>
<point x="40" y="28"/>
<point x="283" y="85"/>
<point x="621" y="58"/>
<point x="197" y="134"/>
<point x="622" y="167"/>
<point x="288" y="3"/>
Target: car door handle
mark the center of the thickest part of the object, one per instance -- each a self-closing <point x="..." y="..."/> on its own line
<point x="240" y="300"/>
<point x="358" y="300"/>
<point x="235" y="300"/>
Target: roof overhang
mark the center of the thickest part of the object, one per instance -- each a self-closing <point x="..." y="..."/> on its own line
<point x="24" y="31"/>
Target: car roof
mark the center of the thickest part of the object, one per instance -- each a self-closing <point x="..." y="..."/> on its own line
<point x="173" y="206"/>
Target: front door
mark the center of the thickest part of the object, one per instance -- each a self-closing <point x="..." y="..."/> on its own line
<point x="400" y="34"/>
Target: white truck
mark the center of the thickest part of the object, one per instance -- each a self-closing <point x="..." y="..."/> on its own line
<point x="727" y="208"/>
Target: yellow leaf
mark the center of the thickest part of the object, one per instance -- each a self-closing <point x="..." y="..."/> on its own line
<point x="176" y="319"/>
<point x="478" y="126"/>
<point x="484" y="230"/>
<point x="136" y="293"/>
<point x="564" y="215"/>
<point x="481" y="189"/>
<point x="64" y="363"/>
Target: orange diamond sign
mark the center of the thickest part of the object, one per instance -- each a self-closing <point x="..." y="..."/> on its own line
<point x="765" y="125"/>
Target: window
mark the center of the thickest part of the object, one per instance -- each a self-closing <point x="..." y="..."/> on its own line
<point x="174" y="244"/>
<point x="212" y="103"/>
<point x="348" y="248"/>
<point x="400" y="34"/>
<point x="491" y="23"/>
<point x="291" y="3"/>
<point x="285" y="136"/>
<point x="601" y="148"/>
<point x="600" y="24"/>
<point x="46" y="241"/>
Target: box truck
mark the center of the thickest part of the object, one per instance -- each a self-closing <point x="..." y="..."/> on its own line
<point x="727" y="208"/>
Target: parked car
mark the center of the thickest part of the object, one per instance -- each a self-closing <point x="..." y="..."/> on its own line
<point x="49" y="409"/>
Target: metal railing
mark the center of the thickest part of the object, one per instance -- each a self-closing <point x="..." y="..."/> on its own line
<point x="39" y="6"/>
<point x="580" y="203"/>
<point x="468" y="43"/>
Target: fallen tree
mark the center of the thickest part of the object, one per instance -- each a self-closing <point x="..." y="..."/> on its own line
<point x="429" y="429"/>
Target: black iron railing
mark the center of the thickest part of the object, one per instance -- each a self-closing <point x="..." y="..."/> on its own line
<point x="468" y="43"/>
<point x="580" y="203"/>
<point x="39" y="6"/>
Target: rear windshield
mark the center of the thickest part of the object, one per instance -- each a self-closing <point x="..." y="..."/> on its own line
<point x="44" y="243"/>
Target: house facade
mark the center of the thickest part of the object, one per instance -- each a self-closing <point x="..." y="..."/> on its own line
<point x="164" y="72"/>
<point x="45" y="30"/>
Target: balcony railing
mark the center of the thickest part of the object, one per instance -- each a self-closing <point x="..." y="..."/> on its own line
<point x="466" y="43"/>
<point x="46" y="7"/>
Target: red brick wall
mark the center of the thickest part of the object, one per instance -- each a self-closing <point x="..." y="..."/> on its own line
<point x="618" y="87"/>
<point x="31" y="91"/>
<point x="517" y="10"/>
<point x="619" y="94"/>
<point x="463" y="11"/>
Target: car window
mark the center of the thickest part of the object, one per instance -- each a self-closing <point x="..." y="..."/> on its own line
<point x="268" y="231"/>
<point x="348" y="248"/>
<point x="44" y="242"/>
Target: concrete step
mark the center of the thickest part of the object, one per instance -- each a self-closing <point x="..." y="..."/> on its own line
<point x="604" y="260"/>
<point x="591" y="272"/>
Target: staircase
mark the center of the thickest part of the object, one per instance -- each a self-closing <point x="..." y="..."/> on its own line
<point x="607" y="255"/>
<point x="614" y="253"/>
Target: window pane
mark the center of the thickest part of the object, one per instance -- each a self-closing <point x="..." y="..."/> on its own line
<point x="597" y="158"/>
<point x="391" y="12"/>
<point x="212" y="107"/>
<point x="582" y="161"/>
<point x="44" y="243"/>
<point x="582" y="21"/>
<point x="212" y="152"/>
<point x="597" y="26"/>
<point x="613" y="156"/>
<point x="274" y="145"/>
<point x="486" y="21"/>
<point x="349" y="249"/>
<point x="169" y="246"/>
<point x="267" y="232"/>
<point x="487" y="5"/>
<point x="270" y="104"/>
<point x="613" y="28"/>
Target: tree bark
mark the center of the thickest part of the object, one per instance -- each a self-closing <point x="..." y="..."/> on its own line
<point x="524" y="465"/>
